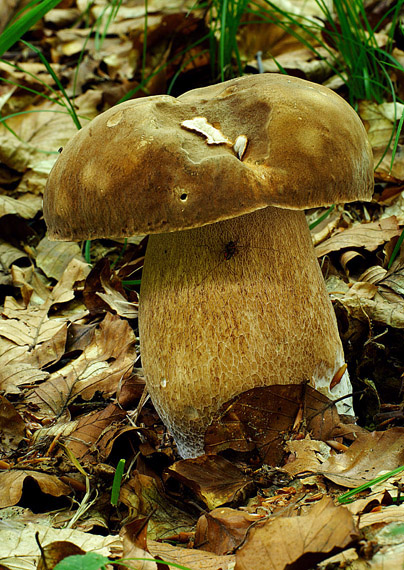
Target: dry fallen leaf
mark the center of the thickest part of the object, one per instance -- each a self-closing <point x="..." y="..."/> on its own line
<point x="392" y="279"/>
<point x="380" y="121"/>
<point x="190" y="558"/>
<point x="12" y="427"/>
<point x="53" y="257"/>
<point x="212" y="478"/>
<point x="145" y="497"/>
<point x="369" y="310"/>
<point x="307" y="455"/>
<point x="368" y="455"/>
<point x="103" y="291"/>
<point x="370" y="236"/>
<point x="19" y="547"/>
<point x="10" y="254"/>
<point x="386" y="515"/>
<point x="84" y="440"/>
<point x="101" y="366"/>
<point x="56" y="551"/>
<point x="12" y="482"/>
<point x="282" y="541"/>
<point x="134" y="538"/>
<point x="30" y="328"/>
<point x="259" y="419"/>
<point x="223" y="530"/>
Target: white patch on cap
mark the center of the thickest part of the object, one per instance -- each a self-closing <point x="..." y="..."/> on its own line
<point x="115" y="119"/>
<point x="240" y="146"/>
<point x="200" y="125"/>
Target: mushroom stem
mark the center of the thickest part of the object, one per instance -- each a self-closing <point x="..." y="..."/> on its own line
<point x="218" y="319"/>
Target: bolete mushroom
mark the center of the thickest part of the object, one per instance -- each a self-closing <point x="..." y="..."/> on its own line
<point x="232" y="296"/>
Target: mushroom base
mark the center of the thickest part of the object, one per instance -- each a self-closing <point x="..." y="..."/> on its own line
<point x="231" y="306"/>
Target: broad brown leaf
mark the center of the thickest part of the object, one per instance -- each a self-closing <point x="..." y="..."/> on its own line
<point x="84" y="441"/>
<point x="12" y="427"/>
<point x="212" y="478"/>
<point x="368" y="455"/>
<point x="12" y="482"/>
<point x="261" y="419"/>
<point x="135" y="545"/>
<point x="101" y="366"/>
<point x="297" y="542"/>
<point x="223" y="530"/>
<point x="145" y="497"/>
<point x="370" y="236"/>
<point x="190" y="558"/>
<point x="56" y="551"/>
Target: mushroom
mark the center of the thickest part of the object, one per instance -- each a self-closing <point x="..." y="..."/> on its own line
<point x="232" y="296"/>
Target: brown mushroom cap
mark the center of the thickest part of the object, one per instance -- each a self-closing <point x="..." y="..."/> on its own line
<point x="136" y="169"/>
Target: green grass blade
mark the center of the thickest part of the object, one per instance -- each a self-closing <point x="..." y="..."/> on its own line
<point x="143" y="84"/>
<point x="100" y="36"/>
<point x="128" y="282"/>
<point x="56" y="79"/>
<point x="396" y="250"/>
<point x="144" y="51"/>
<point x="348" y="496"/>
<point x="87" y="251"/>
<point x="116" y="484"/>
<point x="19" y="27"/>
<point x="396" y="140"/>
<point x="322" y="217"/>
<point x="222" y="59"/>
<point x="56" y="99"/>
<point x="180" y="70"/>
<point x="123" y="249"/>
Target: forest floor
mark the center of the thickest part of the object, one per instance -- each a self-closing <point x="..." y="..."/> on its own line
<point x="74" y="408"/>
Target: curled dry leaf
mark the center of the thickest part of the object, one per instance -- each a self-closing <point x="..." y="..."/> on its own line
<point x="392" y="279"/>
<point x="101" y="366"/>
<point x="135" y="545"/>
<point x="362" y="290"/>
<point x="189" y="558"/>
<point x="117" y="302"/>
<point x="103" y="291"/>
<point x="369" y="310"/>
<point x="212" y="478"/>
<point x="12" y="427"/>
<point x="12" y="482"/>
<point x="368" y="455"/>
<point x="56" y="551"/>
<point x="10" y="254"/>
<point x="370" y="236"/>
<point x="375" y="500"/>
<point x="307" y="455"/>
<point x="145" y="497"/>
<point x="33" y="286"/>
<point x="27" y="206"/>
<point x="53" y="257"/>
<point x="223" y="530"/>
<point x="76" y="270"/>
<point x="383" y="516"/>
<point x="260" y="419"/>
<point x="281" y="542"/>
<point x="380" y="121"/>
<point x="85" y="441"/>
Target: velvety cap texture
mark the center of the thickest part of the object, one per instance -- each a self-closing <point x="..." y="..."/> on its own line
<point x="161" y="164"/>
